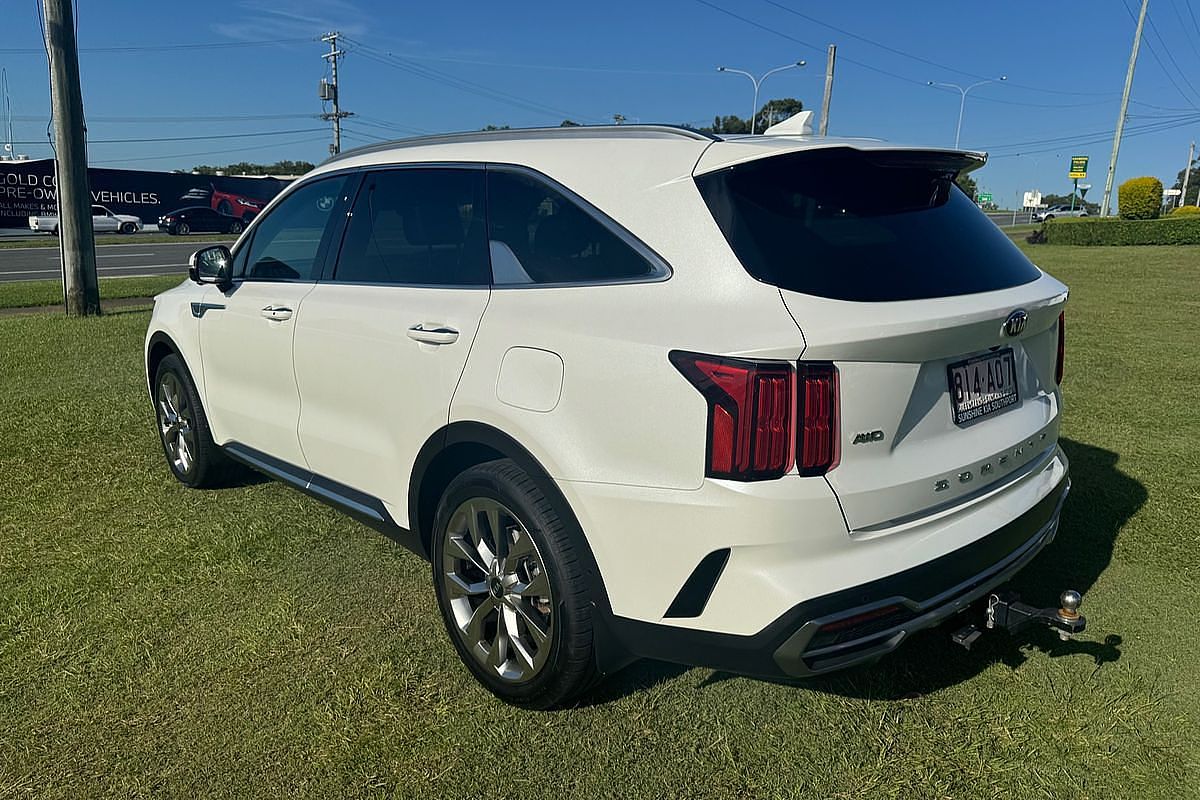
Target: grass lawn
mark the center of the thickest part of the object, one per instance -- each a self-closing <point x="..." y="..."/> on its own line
<point x="140" y="238"/>
<point x="161" y="642"/>
<point x="20" y="294"/>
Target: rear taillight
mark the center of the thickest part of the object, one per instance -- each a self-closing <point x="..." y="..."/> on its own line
<point x="817" y="414"/>
<point x="751" y="414"/>
<point x="1062" y="348"/>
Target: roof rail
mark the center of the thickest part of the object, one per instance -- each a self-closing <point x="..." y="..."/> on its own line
<point x="509" y="134"/>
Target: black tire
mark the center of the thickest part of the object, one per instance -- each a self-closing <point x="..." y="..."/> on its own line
<point x="1047" y="218"/>
<point x="207" y="465"/>
<point x="224" y="207"/>
<point x="128" y="227"/>
<point x="235" y="227"/>
<point x="182" y="229"/>
<point x="567" y="665"/>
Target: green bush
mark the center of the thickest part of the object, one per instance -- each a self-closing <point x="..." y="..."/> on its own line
<point x="1140" y="198"/>
<point x="1185" y="211"/>
<point x="1111" y="231"/>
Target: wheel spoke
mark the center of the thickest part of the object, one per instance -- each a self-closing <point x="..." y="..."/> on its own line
<point x="523" y="546"/>
<point x="532" y="624"/>
<point x="474" y="629"/>
<point x="457" y="546"/>
<point x="461" y="588"/>
<point x="499" y="537"/>
<point x="538" y="586"/>
<point x="185" y="453"/>
<point x="498" y="656"/>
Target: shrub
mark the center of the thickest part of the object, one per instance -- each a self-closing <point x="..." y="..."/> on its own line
<point x="1186" y="211"/>
<point x="1140" y="198"/>
<point x="1110" y="231"/>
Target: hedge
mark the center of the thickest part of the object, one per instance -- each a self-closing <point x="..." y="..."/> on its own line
<point x="1182" y="229"/>
<point x="1140" y="198"/>
<point x="1186" y="211"/>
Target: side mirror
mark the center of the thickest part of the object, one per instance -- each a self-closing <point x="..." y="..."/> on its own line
<point x="212" y="265"/>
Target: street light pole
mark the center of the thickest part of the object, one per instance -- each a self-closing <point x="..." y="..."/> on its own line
<point x="757" y="84"/>
<point x="962" y="105"/>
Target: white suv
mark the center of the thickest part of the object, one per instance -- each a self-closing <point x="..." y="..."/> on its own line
<point x="766" y="404"/>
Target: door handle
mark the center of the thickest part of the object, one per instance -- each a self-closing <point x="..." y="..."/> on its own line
<point x="432" y="333"/>
<point x="277" y="313"/>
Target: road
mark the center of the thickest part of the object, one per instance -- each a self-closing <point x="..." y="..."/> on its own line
<point x="112" y="260"/>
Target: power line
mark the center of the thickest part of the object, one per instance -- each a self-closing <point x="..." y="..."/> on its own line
<point x="924" y="60"/>
<point x="193" y="138"/>
<point x="1100" y="139"/>
<point x="1169" y="55"/>
<point x="1157" y="60"/>
<point x="214" y="152"/>
<point x="165" y="47"/>
<point x="437" y="76"/>
<point x="225" y="118"/>
<point x="1072" y="138"/>
<point x="879" y="70"/>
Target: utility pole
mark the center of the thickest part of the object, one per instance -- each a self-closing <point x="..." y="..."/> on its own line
<point x="1187" y="174"/>
<point x="330" y="92"/>
<point x="77" y="241"/>
<point x="1112" y="161"/>
<point x="829" y="63"/>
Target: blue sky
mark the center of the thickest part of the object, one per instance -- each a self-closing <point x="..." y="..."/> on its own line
<point x="428" y="67"/>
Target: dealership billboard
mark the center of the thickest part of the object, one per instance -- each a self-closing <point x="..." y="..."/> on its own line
<point x="28" y="188"/>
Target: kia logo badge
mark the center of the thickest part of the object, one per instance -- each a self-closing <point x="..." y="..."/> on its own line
<point x="1015" y="322"/>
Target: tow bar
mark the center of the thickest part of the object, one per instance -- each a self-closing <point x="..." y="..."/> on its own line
<point x="1006" y="611"/>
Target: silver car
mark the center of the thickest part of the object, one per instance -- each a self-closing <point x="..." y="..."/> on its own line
<point x="1060" y="211"/>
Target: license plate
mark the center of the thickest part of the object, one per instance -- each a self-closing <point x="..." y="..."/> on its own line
<point x="982" y="385"/>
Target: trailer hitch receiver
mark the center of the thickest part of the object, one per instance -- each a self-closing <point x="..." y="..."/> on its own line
<point x="1004" y="610"/>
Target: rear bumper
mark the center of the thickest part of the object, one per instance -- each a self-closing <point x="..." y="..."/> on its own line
<point x="863" y="622"/>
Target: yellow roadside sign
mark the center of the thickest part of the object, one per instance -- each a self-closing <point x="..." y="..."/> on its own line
<point x="1078" y="167"/>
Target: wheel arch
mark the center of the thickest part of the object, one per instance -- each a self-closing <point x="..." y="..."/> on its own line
<point x="159" y="347"/>
<point x="461" y="445"/>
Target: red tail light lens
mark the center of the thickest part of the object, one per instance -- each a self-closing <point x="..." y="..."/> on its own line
<point x="1062" y="347"/>
<point x="817" y="412"/>
<point x="751" y="407"/>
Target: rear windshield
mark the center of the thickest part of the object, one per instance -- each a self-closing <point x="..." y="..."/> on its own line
<point x="866" y="226"/>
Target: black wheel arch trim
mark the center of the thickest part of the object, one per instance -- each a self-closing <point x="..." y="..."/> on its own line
<point x="163" y="338"/>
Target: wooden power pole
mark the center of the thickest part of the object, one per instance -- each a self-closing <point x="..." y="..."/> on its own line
<point x="77" y="240"/>
<point x="1116" y="148"/>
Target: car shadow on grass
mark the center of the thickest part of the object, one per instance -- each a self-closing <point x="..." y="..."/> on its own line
<point x="1102" y="500"/>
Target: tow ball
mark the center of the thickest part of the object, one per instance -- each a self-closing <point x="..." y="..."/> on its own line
<point x="1004" y="610"/>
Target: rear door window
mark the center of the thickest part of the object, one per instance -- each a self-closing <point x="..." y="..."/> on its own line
<point x="417" y="227"/>
<point x="864" y="226"/>
<point x="537" y="235"/>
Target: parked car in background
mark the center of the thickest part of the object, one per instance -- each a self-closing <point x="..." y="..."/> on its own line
<point x="506" y="351"/>
<point x="198" y="219"/>
<point x="103" y="221"/>
<point x="1060" y="211"/>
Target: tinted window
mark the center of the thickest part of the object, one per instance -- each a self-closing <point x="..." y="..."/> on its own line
<point x="290" y="242"/>
<point x="98" y="211"/>
<point x="862" y="226"/>
<point x="417" y="226"/>
<point x="201" y="213"/>
<point x="539" y="236"/>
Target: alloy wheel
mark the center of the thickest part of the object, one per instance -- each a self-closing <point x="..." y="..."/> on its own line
<point x="175" y="423"/>
<point x="499" y="593"/>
